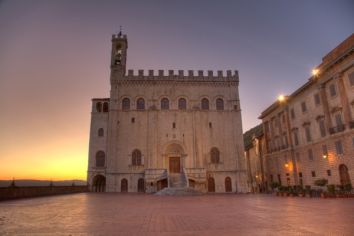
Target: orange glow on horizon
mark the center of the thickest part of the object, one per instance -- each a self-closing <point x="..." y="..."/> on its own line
<point x="64" y="159"/>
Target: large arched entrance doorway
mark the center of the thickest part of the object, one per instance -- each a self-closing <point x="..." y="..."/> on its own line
<point x="141" y="185"/>
<point x="344" y="175"/>
<point x="211" y="185"/>
<point x="174" y="165"/>
<point x="228" y="185"/>
<point x="174" y="154"/>
<point x="124" y="185"/>
<point x="99" y="183"/>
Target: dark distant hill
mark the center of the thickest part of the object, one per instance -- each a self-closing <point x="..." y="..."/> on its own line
<point x="33" y="182"/>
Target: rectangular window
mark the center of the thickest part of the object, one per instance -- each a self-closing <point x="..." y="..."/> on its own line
<point x="329" y="173"/>
<point x="338" y="118"/>
<point x="339" y="147"/>
<point x="322" y="126"/>
<point x="279" y="179"/>
<point x="308" y="134"/>
<point x="310" y="154"/>
<point x="298" y="157"/>
<point x="332" y="90"/>
<point x="353" y="142"/>
<point x="303" y="107"/>
<point x="285" y="140"/>
<point x="317" y="99"/>
<point x="292" y="113"/>
<point x="266" y="126"/>
<point x="300" y="174"/>
<point x="287" y="174"/>
<point x="296" y="138"/>
<point x="313" y="173"/>
<point x="324" y="150"/>
<point x="351" y="79"/>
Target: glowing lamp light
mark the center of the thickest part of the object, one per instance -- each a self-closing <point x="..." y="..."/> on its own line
<point x="281" y="98"/>
<point x="324" y="156"/>
<point x="315" y="72"/>
<point x="286" y="165"/>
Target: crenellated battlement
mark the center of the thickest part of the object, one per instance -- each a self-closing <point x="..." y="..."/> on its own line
<point x="119" y="36"/>
<point x="182" y="75"/>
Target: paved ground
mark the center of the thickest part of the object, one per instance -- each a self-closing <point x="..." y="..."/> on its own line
<point x="139" y="214"/>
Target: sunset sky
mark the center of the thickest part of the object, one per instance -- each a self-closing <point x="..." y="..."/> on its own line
<point x="55" y="55"/>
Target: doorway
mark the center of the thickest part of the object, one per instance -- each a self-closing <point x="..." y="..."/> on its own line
<point x="228" y="185"/>
<point x="124" y="185"/>
<point x="174" y="165"/>
<point x="344" y="175"/>
<point x="211" y="185"/>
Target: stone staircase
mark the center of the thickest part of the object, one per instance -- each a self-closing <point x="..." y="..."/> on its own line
<point x="178" y="186"/>
<point x="177" y="180"/>
<point x="173" y="191"/>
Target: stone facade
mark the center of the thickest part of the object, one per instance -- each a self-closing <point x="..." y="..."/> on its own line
<point x="309" y="135"/>
<point x="158" y="130"/>
<point x="255" y="162"/>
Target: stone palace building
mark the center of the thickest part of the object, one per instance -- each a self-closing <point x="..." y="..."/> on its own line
<point x="166" y="130"/>
<point x="309" y="135"/>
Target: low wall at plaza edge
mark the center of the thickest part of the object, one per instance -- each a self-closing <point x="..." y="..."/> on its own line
<point x="10" y="193"/>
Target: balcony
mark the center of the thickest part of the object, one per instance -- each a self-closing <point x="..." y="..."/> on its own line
<point x="337" y="129"/>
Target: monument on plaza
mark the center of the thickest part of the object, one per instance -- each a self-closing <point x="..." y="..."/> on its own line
<point x="160" y="130"/>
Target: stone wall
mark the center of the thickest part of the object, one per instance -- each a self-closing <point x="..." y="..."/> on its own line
<point x="38" y="191"/>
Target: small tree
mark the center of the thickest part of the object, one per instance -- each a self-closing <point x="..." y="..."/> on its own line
<point x="274" y="185"/>
<point x="321" y="182"/>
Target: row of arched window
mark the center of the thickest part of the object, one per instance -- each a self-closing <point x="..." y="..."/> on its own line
<point x="211" y="185"/>
<point x="165" y="104"/>
<point x="137" y="157"/>
<point x="102" y="107"/>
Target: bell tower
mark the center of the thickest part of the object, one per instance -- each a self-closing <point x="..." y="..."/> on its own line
<point x="119" y="54"/>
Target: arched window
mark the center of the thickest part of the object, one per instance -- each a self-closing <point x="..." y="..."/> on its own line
<point x="99" y="107"/>
<point x="126" y="104"/>
<point x="140" y="104"/>
<point x="165" y="104"/>
<point x="100" y="132"/>
<point x="100" y="159"/>
<point x="136" y="158"/>
<point x="205" y="104"/>
<point x="182" y="104"/>
<point x="105" y="107"/>
<point x="214" y="155"/>
<point x="219" y="104"/>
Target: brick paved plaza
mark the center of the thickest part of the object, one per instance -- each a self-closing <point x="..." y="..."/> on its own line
<point x="140" y="214"/>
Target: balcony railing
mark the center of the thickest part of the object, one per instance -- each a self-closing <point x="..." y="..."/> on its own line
<point x="337" y="129"/>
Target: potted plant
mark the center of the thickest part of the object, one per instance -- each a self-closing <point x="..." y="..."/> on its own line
<point x="348" y="188"/>
<point x="321" y="183"/>
<point x="331" y="189"/>
<point x="339" y="191"/>
<point x="308" y="191"/>
<point x="275" y="186"/>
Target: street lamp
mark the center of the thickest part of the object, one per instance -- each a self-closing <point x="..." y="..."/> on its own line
<point x="315" y="71"/>
<point x="281" y="98"/>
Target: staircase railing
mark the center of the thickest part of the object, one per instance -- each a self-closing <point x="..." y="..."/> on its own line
<point x="185" y="177"/>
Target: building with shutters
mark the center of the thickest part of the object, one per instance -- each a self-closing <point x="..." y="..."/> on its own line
<point x="309" y="135"/>
<point x="159" y="130"/>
